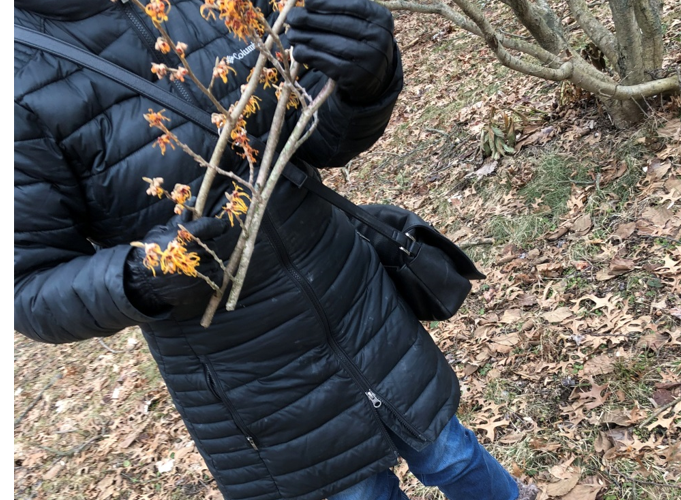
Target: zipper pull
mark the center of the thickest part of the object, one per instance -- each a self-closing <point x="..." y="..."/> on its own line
<point x="374" y="399"/>
<point x="251" y="441"/>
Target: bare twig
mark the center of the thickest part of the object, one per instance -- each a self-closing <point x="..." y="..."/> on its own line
<point x="659" y="412"/>
<point x="73" y="451"/>
<point x="292" y="144"/>
<point x="103" y="344"/>
<point x="473" y="243"/>
<point x="18" y="420"/>
<point x="650" y="483"/>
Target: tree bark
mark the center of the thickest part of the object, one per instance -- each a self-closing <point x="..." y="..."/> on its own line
<point x="630" y="56"/>
<point x="542" y="23"/>
<point x="647" y="14"/>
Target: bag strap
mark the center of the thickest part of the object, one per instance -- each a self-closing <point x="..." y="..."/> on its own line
<point x="65" y="50"/>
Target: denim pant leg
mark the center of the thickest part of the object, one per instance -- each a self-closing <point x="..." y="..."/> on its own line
<point x="459" y="466"/>
<point x="382" y="486"/>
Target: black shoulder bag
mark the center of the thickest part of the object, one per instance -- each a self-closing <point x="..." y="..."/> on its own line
<point x="430" y="272"/>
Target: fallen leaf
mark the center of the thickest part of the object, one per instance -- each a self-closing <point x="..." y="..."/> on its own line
<point x="671" y="129"/>
<point x="562" y="487"/>
<point x="620" y="266"/>
<point x="625" y="418"/>
<point x="623" y="231"/>
<point x="511" y="316"/>
<point x="550" y="270"/>
<point x="561" y="231"/>
<point x="604" y="275"/>
<point x="581" y="265"/>
<point x="503" y="344"/>
<point x="598" y="365"/>
<point x="602" y="443"/>
<point x="652" y="341"/>
<point x="470" y="368"/>
<point x="491" y="425"/>
<point x="542" y="445"/>
<point x="529" y="300"/>
<point x="582" y="225"/>
<point x="54" y="470"/>
<point x="593" y="397"/>
<point x="658" y="169"/>
<point x="487" y="168"/>
<point x="662" y="397"/>
<point x="131" y="438"/>
<point x="583" y="492"/>
<point x="557" y="315"/>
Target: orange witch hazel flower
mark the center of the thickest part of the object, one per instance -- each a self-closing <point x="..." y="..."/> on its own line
<point x="158" y="10"/>
<point x="252" y="106"/>
<point x="236" y="204"/>
<point x="159" y="70"/>
<point x="269" y="77"/>
<point x="162" y="45"/>
<point x="179" y="73"/>
<point x="162" y="142"/>
<point x="181" y="193"/>
<point x="152" y="255"/>
<point x="155" y="188"/>
<point x="222" y="70"/>
<point x="219" y="120"/>
<point x="154" y="118"/>
<point x="241" y="18"/>
<point x="176" y="259"/>
<point x="279" y="4"/>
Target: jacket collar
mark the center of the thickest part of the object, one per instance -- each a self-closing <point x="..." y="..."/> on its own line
<point x="65" y="10"/>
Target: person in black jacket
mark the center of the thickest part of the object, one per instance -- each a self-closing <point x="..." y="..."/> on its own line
<point x="322" y="375"/>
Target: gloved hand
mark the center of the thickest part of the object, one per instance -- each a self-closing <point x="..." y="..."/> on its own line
<point x="181" y="295"/>
<point x="350" y="41"/>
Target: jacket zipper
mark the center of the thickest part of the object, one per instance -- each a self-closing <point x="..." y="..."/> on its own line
<point x="345" y="360"/>
<point x="149" y="40"/>
<point x="222" y="396"/>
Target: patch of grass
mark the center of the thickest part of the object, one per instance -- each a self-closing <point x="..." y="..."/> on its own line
<point x="518" y="230"/>
<point x="550" y="190"/>
<point x="499" y="390"/>
<point x="635" y="376"/>
<point x="552" y="182"/>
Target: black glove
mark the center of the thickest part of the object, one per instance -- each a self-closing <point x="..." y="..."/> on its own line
<point x="178" y="294"/>
<point x="350" y="41"/>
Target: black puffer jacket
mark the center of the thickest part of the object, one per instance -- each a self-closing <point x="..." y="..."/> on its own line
<point x="276" y="394"/>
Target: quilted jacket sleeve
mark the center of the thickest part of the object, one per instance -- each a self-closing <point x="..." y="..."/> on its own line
<point x="64" y="290"/>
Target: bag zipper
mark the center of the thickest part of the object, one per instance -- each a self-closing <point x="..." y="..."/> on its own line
<point x="346" y="362"/>
<point x="217" y="390"/>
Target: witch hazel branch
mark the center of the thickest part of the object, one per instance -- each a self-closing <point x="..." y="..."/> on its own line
<point x="246" y="203"/>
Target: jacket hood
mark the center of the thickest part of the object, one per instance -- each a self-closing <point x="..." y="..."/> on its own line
<point x="67" y="10"/>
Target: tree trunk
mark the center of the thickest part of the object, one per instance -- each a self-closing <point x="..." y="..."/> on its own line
<point x="624" y="114"/>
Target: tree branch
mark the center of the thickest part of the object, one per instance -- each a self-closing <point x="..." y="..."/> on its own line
<point x="491" y="39"/>
<point x="598" y="33"/>
<point x="542" y="23"/>
<point x="582" y="74"/>
<point x="287" y="152"/>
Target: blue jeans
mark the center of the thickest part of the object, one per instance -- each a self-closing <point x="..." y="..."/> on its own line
<point x="456" y="463"/>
